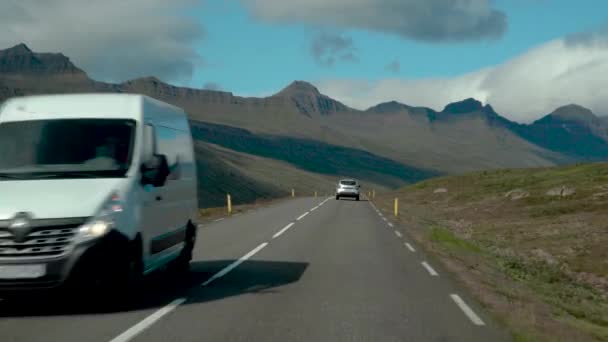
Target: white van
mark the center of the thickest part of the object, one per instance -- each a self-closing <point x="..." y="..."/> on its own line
<point x="96" y="190"/>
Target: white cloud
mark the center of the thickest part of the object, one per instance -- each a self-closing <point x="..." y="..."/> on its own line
<point x="523" y="89"/>
<point x="113" y="40"/>
<point x="428" y="20"/>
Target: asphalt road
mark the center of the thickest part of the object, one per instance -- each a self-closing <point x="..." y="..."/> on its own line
<point x="342" y="272"/>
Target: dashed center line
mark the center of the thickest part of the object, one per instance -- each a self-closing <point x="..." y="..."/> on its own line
<point x="302" y="216"/>
<point x="428" y="267"/>
<point x="232" y="266"/>
<point x="138" y="328"/>
<point x="390" y="225"/>
<point x="148" y="321"/>
<point x="467" y="310"/>
<point x="410" y="247"/>
<point x="398" y="234"/>
<point x="280" y="232"/>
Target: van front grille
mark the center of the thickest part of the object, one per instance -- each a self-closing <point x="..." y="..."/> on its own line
<point x="45" y="238"/>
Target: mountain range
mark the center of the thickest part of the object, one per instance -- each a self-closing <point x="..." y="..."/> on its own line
<point x="387" y="145"/>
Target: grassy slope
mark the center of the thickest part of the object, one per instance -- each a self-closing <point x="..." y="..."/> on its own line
<point x="312" y="156"/>
<point x="250" y="178"/>
<point x="539" y="263"/>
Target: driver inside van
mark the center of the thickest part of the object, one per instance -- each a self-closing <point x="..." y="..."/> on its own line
<point x="105" y="155"/>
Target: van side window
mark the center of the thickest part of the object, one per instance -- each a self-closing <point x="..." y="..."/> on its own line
<point x="169" y="143"/>
<point x="150" y="145"/>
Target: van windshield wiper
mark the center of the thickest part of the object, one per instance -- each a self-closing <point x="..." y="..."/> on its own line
<point x="62" y="174"/>
<point x="11" y="176"/>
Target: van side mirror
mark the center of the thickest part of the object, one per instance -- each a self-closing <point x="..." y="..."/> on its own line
<point x="155" y="171"/>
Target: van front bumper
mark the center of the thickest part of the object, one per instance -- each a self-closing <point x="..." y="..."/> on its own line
<point x="94" y="256"/>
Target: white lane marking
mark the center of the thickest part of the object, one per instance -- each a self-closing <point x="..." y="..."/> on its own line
<point x="280" y="232"/>
<point x="303" y="216"/>
<point x="138" y="328"/>
<point x="218" y="220"/>
<point x="467" y="310"/>
<point x="398" y="234"/>
<point x="428" y="267"/>
<point x="384" y="218"/>
<point x="232" y="266"/>
<point x="390" y="225"/>
<point x="148" y="321"/>
<point x="410" y="247"/>
<point x="313" y="209"/>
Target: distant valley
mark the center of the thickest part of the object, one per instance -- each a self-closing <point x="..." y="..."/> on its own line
<point x="387" y="146"/>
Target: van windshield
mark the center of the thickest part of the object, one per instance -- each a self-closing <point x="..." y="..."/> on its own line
<point x="348" y="182"/>
<point x="66" y="148"/>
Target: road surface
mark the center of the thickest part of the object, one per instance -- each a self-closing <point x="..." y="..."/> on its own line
<point x="302" y="270"/>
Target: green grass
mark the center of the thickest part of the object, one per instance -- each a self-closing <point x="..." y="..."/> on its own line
<point x="579" y="305"/>
<point x="448" y="239"/>
<point x="505" y="241"/>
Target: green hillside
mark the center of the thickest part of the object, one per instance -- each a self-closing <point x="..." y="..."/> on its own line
<point x="532" y="244"/>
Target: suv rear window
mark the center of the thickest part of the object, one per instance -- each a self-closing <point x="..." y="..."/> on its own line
<point x="348" y="182"/>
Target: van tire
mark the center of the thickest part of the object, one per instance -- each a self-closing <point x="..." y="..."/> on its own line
<point x="337" y="198"/>
<point x="181" y="265"/>
<point x="357" y="198"/>
<point x="126" y="289"/>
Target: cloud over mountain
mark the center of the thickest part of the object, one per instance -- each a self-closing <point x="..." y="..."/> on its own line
<point x="568" y="70"/>
<point x="113" y="40"/>
<point x="428" y="20"/>
<point x="327" y="49"/>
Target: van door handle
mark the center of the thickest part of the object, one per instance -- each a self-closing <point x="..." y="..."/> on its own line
<point x="159" y="198"/>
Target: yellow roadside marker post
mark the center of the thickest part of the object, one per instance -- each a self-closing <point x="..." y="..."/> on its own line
<point x="293" y="193"/>
<point x="396" y="207"/>
<point x="229" y="200"/>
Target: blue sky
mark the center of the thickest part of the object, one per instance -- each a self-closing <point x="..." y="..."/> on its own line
<point x="248" y="56"/>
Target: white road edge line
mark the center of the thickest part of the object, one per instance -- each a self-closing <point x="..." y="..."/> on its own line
<point x="431" y="271"/>
<point x="218" y="220"/>
<point x="410" y="247"/>
<point x="303" y="215"/>
<point x="313" y="209"/>
<point x="148" y="321"/>
<point x="467" y="310"/>
<point x="280" y="232"/>
<point x="398" y="234"/>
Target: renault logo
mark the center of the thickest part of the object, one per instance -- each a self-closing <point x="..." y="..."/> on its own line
<point x="20" y="226"/>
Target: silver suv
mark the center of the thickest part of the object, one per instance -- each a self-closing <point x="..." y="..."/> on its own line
<point x="348" y="188"/>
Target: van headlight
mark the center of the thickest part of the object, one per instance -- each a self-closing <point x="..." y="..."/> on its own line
<point x="101" y="223"/>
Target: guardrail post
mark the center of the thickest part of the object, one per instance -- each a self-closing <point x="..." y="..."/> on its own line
<point x="396" y="206"/>
<point x="315" y="194"/>
<point x="229" y="201"/>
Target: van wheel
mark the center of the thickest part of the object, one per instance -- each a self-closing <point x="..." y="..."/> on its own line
<point x="182" y="263"/>
<point x="357" y="198"/>
<point x="337" y="198"/>
<point x="125" y="289"/>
